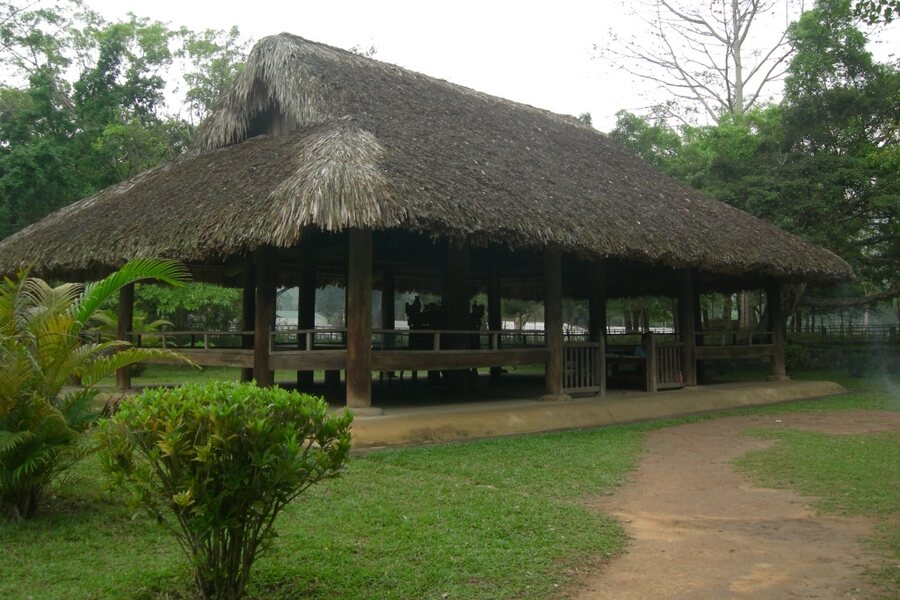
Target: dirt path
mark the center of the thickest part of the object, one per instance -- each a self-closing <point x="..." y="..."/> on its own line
<point x="700" y="530"/>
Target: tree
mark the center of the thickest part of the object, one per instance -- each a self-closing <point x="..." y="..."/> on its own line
<point x="654" y="141"/>
<point x="841" y="126"/>
<point x="707" y="59"/>
<point x="85" y="106"/>
<point x="197" y="306"/>
<point x="876" y="11"/>
<point x="216" y="57"/>
<point x="42" y="348"/>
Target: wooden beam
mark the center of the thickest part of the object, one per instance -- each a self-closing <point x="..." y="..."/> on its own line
<point x="495" y="318"/>
<point x="248" y="314"/>
<point x="777" y="325"/>
<point x="296" y="360"/>
<point x="405" y="360"/>
<point x="687" y="328"/>
<point x="264" y="316"/>
<point x="306" y="311"/>
<point x="124" y="324"/>
<point x="553" y="326"/>
<point x="359" y="319"/>
<point x="597" y="293"/>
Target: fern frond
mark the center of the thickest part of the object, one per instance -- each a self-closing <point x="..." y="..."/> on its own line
<point x="138" y="269"/>
<point x="107" y="365"/>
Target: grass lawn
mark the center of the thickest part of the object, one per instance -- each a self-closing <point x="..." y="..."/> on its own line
<point x="487" y="519"/>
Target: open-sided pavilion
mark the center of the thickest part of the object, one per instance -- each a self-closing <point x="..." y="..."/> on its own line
<point x="321" y="167"/>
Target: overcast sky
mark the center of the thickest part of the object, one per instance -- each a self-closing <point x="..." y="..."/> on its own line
<point x="540" y="53"/>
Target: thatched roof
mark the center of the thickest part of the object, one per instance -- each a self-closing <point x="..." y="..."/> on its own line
<point x="374" y="145"/>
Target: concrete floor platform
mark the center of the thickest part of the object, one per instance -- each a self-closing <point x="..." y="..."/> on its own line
<point x="427" y="424"/>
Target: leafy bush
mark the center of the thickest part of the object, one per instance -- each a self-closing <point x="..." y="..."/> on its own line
<point x="222" y="458"/>
<point x="796" y="357"/>
<point x="42" y="349"/>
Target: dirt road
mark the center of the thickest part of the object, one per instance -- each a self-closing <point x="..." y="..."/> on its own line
<point x="700" y="530"/>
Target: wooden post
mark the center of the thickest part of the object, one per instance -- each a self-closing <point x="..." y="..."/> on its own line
<point x="124" y="325"/>
<point x="333" y="388"/>
<point x="264" y="317"/>
<point x="306" y="312"/>
<point x="388" y="315"/>
<point x="597" y="318"/>
<point x="359" y="319"/>
<point x="495" y="318"/>
<point x="455" y="302"/>
<point x="456" y="296"/>
<point x="776" y="322"/>
<point x="388" y="310"/>
<point x="687" y="325"/>
<point x="553" y="326"/>
<point x="650" y="367"/>
<point x="248" y="314"/>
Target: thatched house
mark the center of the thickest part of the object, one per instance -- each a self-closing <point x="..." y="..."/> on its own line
<point x="323" y="166"/>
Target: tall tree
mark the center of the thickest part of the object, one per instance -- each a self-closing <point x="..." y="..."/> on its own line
<point x="842" y="125"/>
<point x="707" y="58"/>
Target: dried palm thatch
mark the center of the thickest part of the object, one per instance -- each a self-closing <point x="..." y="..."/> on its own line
<point x="372" y="145"/>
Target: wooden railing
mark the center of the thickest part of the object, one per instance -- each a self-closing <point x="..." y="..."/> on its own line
<point x="582" y="367"/>
<point x="668" y="368"/>
<point x="879" y="334"/>
<point x="735" y="338"/>
<point x="409" y="339"/>
<point x="206" y="340"/>
<point x="734" y="345"/>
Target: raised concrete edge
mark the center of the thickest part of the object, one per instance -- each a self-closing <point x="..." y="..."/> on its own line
<point x="447" y="425"/>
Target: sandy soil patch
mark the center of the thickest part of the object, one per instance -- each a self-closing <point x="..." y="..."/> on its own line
<point x="700" y="530"/>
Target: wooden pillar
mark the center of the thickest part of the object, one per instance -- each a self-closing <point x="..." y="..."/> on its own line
<point x="495" y="317"/>
<point x="687" y="325"/>
<point x="553" y="326"/>
<point x="388" y="309"/>
<point x="388" y="313"/>
<point x="306" y="312"/>
<point x="264" y="316"/>
<point x="124" y="325"/>
<point x="650" y="367"/>
<point x="597" y="318"/>
<point x="455" y="302"/>
<point x="359" y="319"/>
<point x="456" y="295"/>
<point x="777" y="325"/>
<point x="248" y="314"/>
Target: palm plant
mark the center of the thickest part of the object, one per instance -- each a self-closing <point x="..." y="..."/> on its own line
<point x="43" y="347"/>
<point x="106" y="325"/>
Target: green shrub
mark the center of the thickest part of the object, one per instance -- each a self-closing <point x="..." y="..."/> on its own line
<point x="222" y="459"/>
<point x="796" y="357"/>
<point x="42" y="349"/>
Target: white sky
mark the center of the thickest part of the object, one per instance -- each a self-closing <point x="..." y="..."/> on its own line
<point x="539" y="53"/>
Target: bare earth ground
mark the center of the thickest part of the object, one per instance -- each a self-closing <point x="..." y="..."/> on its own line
<point x="700" y="530"/>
